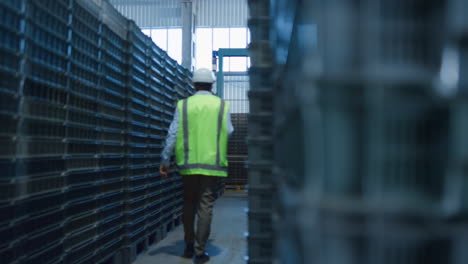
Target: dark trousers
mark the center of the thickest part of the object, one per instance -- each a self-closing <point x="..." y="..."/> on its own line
<point x="199" y="199"/>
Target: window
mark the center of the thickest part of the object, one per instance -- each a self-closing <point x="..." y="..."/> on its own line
<point x="174" y="44"/>
<point x="168" y="39"/>
<point x="238" y="64"/>
<point x="204" y="50"/>
<point x="238" y="38"/>
<point x="221" y="41"/>
<point x="146" y="32"/>
<point x="211" y="39"/>
<point x="207" y="40"/>
<point x="159" y="36"/>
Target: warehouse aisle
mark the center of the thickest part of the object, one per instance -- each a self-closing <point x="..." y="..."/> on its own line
<point x="227" y="243"/>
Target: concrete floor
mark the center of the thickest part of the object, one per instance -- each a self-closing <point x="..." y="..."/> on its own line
<point x="227" y="244"/>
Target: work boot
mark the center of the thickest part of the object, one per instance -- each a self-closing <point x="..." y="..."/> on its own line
<point x="203" y="258"/>
<point x="189" y="251"/>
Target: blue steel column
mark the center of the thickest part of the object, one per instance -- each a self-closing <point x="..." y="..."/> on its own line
<point x="220" y="75"/>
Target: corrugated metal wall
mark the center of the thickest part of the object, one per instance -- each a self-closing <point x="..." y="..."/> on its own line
<point x="151" y="13"/>
<point x="167" y="13"/>
<point x="222" y="13"/>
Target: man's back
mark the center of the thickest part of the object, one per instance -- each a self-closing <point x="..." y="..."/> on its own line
<point x="201" y="146"/>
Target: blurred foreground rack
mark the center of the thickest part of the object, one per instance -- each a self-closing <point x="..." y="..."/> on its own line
<point x="369" y="161"/>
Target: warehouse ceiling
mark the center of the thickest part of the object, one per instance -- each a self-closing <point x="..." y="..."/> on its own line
<point x="167" y="13"/>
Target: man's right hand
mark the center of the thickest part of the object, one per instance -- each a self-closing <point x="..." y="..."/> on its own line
<point x="164" y="171"/>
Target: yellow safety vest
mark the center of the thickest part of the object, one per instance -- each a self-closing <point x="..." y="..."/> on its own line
<point x="201" y="146"/>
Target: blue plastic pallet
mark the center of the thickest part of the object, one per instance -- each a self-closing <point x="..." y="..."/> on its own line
<point x="81" y="177"/>
<point x="112" y="148"/>
<point x="76" y="131"/>
<point x="137" y="96"/>
<point x="41" y="74"/>
<point x="85" y="74"/>
<point x="135" y="192"/>
<point x="79" y="26"/>
<point x="78" y="207"/>
<point x="112" y="166"/>
<point x="134" y="138"/>
<point x="82" y="103"/>
<point x="39" y="185"/>
<point x="113" y="173"/>
<point x="136" y="116"/>
<point x="84" y="45"/>
<point x="114" y="110"/>
<point x="82" y="192"/>
<point x="112" y="137"/>
<point x="135" y="232"/>
<point x="84" y="251"/>
<point x="136" y="36"/>
<point x="112" y="122"/>
<point x="110" y="228"/>
<point x="43" y="128"/>
<point x="32" y="167"/>
<point x="85" y="60"/>
<point x="11" y="254"/>
<point x="72" y="239"/>
<point x="83" y="117"/>
<point x="34" y="243"/>
<point x="111" y="85"/>
<point x="80" y="221"/>
<point x="9" y="61"/>
<point x="136" y="204"/>
<point x="9" y="82"/>
<point x="114" y="75"/>
<point x="57" y="8"/>
<point x="85" y="14"/>
<point x="47" y="94"/>
<point x="138" y="178"/>
<point x="110" y="210"/>
<point x="113" y="98"/>
<point x="138" y="81"/>
<point x="45" y="16"/>
<point x="114" y="51"/>
<point x="138" y="128"/>
<point x="50" y="255"/>
<point x="110" y="252"/>
<point x="83" y="89"/>
<point x="108" y="196"/>
<point x="46" y="37"/>
<point x="75" y="163"/>
<point x="112" y="37"/>
<point x="116" y="64"/>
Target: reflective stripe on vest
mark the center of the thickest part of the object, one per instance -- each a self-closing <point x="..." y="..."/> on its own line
<point x="200" y="159"/>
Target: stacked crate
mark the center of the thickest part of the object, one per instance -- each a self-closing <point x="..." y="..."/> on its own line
<point x="153" y="205"/>
<point x="12" y="211"/>
<point x="260" y="137"/>
<point x="85" y="106"/>
<point x="237" y="150"/>
<point x="138" y="121"/>
<point x="40" y="146"/>
<point x="155" y="196"/>
<point x="172" y="190"/>
<point x="82" y="135"/>
<point x="113" y="162"/>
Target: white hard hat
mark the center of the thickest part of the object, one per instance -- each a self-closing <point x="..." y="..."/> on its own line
<point x="203" y="75"/>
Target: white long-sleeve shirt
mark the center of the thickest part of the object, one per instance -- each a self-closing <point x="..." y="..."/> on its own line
<point x="174" y="128"/>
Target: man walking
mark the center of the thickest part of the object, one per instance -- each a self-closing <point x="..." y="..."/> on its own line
<point x="199" y="133"/>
